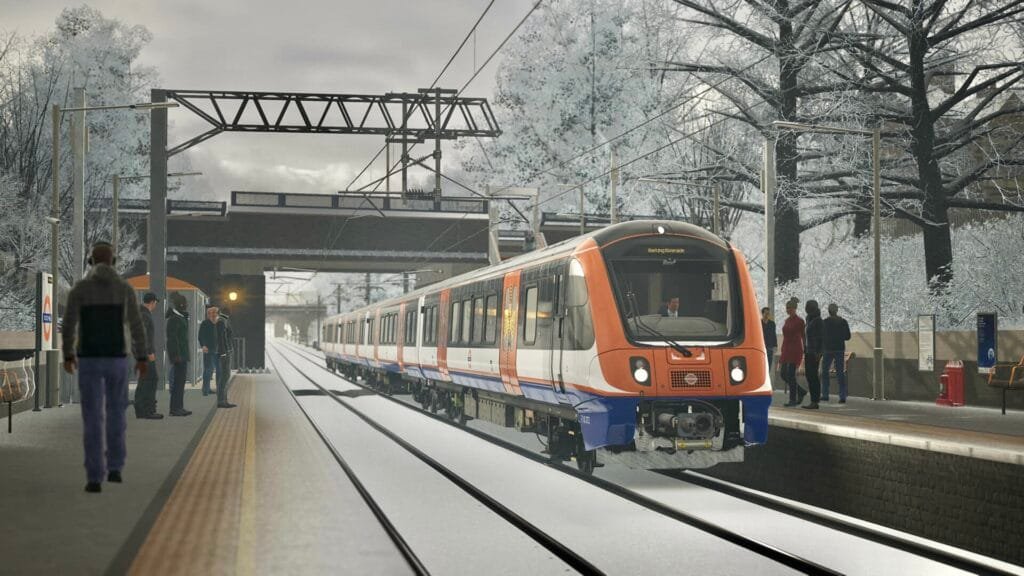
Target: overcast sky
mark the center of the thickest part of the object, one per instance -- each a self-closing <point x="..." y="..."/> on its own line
<point x="346" y="46"/>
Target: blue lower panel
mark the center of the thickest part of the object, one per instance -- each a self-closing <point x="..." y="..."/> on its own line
<point x="608" y="421"/>
<point x="612" y="421"/>
<point x="755" y="419"/>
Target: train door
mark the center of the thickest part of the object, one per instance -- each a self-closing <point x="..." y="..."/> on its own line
<point x="509" y="333"/>
<point x="556" y="349"/>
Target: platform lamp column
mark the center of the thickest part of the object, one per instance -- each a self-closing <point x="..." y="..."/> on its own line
<point x="769" y="221"/>
<point x="158" y="221"/>
<point x="53" y="356"/>
<point x="876" y="144"/>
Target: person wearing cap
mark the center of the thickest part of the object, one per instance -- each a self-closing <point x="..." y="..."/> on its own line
<point x="145" y="392"/>
<point x="97" y="310"/>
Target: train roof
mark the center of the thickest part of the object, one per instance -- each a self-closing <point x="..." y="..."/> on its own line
<point x="601" y="237"/>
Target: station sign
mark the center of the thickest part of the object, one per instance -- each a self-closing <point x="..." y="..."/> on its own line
<point x="988" y="345"/>
<point x="45" y="311"/>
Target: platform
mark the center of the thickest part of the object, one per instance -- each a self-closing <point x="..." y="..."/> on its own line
<point x="975" y="432"/>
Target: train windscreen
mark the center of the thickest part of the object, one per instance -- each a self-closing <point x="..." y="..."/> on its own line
<point x="673" y="288"/>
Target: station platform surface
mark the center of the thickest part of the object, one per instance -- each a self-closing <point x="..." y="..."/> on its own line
<point x="210" y="493"/>
<point x="969" y="431"/>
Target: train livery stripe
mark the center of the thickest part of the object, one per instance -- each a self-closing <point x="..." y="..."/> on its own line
<point x="509" y="332"/>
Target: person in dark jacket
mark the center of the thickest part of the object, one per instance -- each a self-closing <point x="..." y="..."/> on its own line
<point x="836" y="333"/>
<point x="792" y="353"/>
<point x="145" y="392"/>
<point x="812" y="351"/>
<point x="224" y="339"/>
<point x="771" y="339"/>
<point x="208" y="341"/>
<point x="97" y="310"/>
<point x="670" y="308"/>
<point x="177" y="350"/>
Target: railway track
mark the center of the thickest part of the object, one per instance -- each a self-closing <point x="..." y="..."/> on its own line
<point x="782" y="557"/>
<point x="560" y="551"/>
<point x="860" y="530"/>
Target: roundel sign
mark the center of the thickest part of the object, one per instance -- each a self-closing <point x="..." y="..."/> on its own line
<point x="45" y="311"/>
<point x="47" y="318"/>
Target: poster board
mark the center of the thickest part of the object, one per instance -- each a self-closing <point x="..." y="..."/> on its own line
<point x="988" y="345"/>
<point x="926" y="343"/>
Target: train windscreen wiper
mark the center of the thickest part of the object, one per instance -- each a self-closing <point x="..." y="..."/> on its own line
<point x="631" y="298"/>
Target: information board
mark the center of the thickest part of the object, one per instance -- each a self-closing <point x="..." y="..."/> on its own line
<point x="926" y="343"/>
<point x="988" y="350"/>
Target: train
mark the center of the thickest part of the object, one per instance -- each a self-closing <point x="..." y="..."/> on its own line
<point x="640" y="341"/>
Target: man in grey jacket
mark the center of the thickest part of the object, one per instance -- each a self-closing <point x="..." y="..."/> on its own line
<point x="97" y="310"/>
<point x="145" y="392"/>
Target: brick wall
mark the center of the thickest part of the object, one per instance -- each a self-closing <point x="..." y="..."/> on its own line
<point x="972" y="504"/>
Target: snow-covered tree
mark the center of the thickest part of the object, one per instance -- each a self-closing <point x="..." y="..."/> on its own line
<point x="89" y="50"/>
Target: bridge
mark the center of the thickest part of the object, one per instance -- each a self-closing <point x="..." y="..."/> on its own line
<point x="224" y="247"/>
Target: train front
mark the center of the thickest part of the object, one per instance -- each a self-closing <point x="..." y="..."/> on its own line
<point x="679" y="341"/>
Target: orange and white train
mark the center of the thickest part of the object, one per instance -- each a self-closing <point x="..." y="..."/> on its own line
<point x="641" y="339"/>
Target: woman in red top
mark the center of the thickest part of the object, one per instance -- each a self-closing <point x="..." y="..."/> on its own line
<point x="792" y="353"/>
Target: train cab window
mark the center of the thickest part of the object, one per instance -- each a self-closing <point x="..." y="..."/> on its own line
<point x="478" y="320"/>
<point x="455" y="318"/>
<point x="467" y="320"/>
<point x="491" y="319"/>
<point x="676" y="289"/>
<point x="530" y="312"/>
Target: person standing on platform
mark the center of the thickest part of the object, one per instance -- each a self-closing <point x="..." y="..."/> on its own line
<point x="208" y="340"/>
<point x="224" y="340"/>
<point x="97" y="310"/>
<point x="145" y="392"/>
<point x="836" y="333"/>
<point x="792" y="353"/>
<point x="771" y="340"/>
<point x="812" y="351"/>
<point x="177" y="349"/>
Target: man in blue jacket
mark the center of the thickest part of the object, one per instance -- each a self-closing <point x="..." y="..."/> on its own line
<point x="836" y="333"/>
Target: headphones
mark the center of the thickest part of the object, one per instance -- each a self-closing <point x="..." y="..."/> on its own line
<point x="102" y="244"/>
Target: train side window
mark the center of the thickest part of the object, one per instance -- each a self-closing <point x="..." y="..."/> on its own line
<point x="431" y="335"/>
<point x="530" y="312"/>
<point x="467" y="320"/>
<point x="478" y="320"/>
<point x="491" y="321"/>
<point x="455" y="318"/>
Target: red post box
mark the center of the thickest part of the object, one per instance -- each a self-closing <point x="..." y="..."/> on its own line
<point x="951" y="384"/>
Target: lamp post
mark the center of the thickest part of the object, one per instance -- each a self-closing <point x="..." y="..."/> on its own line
<point x="877" y="382"/>
<point x="117" y="179"/>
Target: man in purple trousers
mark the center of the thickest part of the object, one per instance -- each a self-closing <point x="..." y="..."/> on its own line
<point x="98" y="308"/>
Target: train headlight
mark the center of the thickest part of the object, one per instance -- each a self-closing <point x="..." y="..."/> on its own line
<point x="737" y="369"/>
<point x="641" y="370"/>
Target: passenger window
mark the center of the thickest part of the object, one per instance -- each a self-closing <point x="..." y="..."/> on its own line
<point x="478" y="320"/>
<point x="454" y="319"/>
<point x="467" y="320"/>
<point x="491" y="323"/>
<point x="530" y="310"/>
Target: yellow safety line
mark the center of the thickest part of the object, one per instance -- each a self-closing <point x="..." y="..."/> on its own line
<point x="244" y="563"/>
